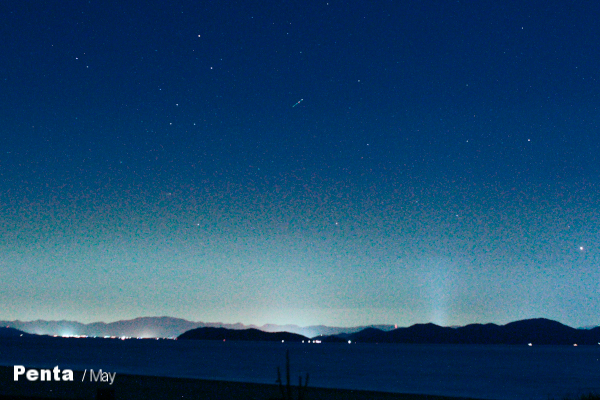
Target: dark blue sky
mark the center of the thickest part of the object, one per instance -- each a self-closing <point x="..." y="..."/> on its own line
<point x="442" y="166"/>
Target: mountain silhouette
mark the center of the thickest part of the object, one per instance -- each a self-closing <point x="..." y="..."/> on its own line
<point x="535" y="331"/>
<point x="244" y="334"/>
<point x="153" y="327"/>
<point x="12" y="332"/>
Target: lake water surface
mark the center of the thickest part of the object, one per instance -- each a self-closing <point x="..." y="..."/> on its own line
<point x="478" y="371"/>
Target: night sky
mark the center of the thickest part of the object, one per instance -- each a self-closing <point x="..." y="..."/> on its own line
<point x="442" y="164"/>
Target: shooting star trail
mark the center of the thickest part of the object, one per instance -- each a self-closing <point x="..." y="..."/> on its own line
<point x="297" y="103"/>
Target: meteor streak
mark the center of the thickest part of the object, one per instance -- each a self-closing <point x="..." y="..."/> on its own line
<point x="297" y="103"/>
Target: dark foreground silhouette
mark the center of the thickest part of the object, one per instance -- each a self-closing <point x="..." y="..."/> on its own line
<point x="136" y="387"/>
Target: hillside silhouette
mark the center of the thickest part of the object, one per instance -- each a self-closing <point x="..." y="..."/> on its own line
<point x="12" y="332"/>
<point x="244" y="334"/>
<point x="535" y="331"/>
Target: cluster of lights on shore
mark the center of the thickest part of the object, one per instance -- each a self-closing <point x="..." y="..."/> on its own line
<point x="173" y="338"/>
<point x="112" y="337"/>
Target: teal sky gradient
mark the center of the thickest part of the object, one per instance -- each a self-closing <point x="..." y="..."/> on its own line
<point x="442" y="167"/>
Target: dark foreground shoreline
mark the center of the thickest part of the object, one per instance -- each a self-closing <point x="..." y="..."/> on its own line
<point x="134" y="387"/>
